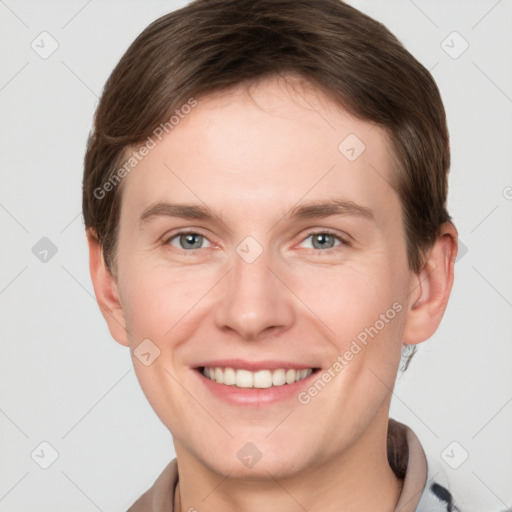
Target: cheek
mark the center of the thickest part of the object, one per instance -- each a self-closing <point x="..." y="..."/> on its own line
<point x="159" y="301"/>
<point x="347" y="298"/>
<point x="361" y="306"/>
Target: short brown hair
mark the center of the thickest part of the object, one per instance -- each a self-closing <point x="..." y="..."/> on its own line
<point x="212" y="45"/>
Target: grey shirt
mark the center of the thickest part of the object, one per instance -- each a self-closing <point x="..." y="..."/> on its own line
<point x="425" y="488"/>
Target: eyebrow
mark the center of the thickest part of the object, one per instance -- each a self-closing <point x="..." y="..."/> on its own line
<point x="312" y="210"/>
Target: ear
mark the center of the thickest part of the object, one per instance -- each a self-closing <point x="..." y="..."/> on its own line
<point x="105" y="289"/>
<point x="431" y="287"/>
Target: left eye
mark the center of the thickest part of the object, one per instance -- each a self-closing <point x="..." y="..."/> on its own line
<point x="187" y="240"/>
<point x="324" y="240"/>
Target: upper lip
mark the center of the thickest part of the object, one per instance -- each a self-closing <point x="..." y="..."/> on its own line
<point x="254" y="366"/>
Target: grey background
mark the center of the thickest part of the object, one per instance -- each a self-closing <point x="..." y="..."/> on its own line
<point x="64" y="381"/>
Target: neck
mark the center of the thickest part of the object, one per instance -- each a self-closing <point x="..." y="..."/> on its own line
<point x="385" y="500"/>
<point x="360" y="478"/>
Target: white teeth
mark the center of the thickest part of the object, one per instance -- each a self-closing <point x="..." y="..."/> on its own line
<point x="263" y="379"/>
<point x="229" y="376"/>
<point x="219" y="375"/>
<point x="290" y="376"/>
<point x="243" y="379"/>
<point x="278" y="378"/>
<point x="260" y="379"/>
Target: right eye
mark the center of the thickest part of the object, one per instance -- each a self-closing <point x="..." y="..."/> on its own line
<point x="186" y="240"/>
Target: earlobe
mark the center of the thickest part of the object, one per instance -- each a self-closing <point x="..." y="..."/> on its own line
<point x="431" y="288"/>
<point x="105" y="289"/>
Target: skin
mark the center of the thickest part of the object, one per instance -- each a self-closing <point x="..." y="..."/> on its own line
<point x="251" y="158"/>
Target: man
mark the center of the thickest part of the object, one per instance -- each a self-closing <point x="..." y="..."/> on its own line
<point x="265" y="202"/>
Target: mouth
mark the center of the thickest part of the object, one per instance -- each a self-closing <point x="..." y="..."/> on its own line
<point x="260" y="379"/>
<point x="250" y="383"/>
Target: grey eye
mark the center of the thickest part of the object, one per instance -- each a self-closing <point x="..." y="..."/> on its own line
<point x="187" y="241"/>
<point x="323" y="240"/>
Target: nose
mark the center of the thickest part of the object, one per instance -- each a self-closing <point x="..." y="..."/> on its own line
<point x="255" y="302"/>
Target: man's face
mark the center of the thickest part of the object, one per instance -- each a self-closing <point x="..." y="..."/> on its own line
<point x="257" y="286"/>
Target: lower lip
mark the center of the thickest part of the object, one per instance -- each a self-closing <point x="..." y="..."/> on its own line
<point x="255" y="396"/>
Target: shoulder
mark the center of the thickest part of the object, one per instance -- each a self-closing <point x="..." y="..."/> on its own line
<point x="425" y="483"/>
<point x="437" y="497"/>
<point x="160" y="496"/>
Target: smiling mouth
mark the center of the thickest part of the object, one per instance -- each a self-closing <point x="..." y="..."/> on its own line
<point x="260" y="379"/>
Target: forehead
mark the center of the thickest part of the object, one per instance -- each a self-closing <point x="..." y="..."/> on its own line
<point x="264" y="147"/>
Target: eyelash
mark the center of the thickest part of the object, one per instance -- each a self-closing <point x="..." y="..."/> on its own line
<point x="343" y="241"/>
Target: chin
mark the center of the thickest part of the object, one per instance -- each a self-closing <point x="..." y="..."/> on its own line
<point x="251" y="463"/>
